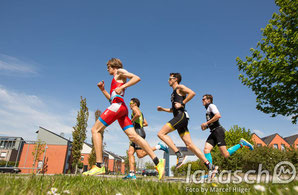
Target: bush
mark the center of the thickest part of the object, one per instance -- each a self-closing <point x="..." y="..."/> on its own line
<point x="235" y="161"/>
<point x="268" y="157"/>
<point x="244" y="159"/>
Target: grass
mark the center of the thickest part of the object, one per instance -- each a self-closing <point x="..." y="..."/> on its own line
<point x="37" y="184"/>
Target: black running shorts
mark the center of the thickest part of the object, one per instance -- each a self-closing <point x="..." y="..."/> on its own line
<point x="141" y="132"/>
<point x="217" y="137"/>
<point x="179" y="122"/>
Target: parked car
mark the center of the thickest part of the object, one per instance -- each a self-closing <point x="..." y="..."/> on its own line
<point x="149" y="172"/>
<point x="9" y="170"/>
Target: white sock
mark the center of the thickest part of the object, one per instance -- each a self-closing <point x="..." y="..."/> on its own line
<point x="157" y="147"/>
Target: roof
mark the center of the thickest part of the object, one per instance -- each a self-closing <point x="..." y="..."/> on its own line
<point x="269" y="138"/>
<point x="291" y="139"/>
<point x="114" y="155"/>
<point x="258" y="137"/>
<point x="7" y="138"/>
<point x="53" y="133"/>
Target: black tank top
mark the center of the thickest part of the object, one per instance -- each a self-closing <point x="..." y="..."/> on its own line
<point x="175" y="97"/>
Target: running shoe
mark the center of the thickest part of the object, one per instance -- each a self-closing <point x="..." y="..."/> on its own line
<point x="180" y="161"/>
<point x="163" y="147"/>
<point x="246" y="144"/>
<point x="129" y="176"/>
<point x="212" y="173"/>
<point x="95" y="171"/>
<point x="160" y="167"/>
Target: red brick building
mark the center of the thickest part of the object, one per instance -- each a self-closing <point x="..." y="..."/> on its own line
<point x="55" y="155"/>
<point x="276" y="141"/>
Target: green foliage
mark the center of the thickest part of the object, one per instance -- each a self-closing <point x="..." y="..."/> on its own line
<point x="244" y="159"/>
<point x="79" y="134"/>
<point x="268" y="157"/>
<point x="62" y="184"/>
<point x="149" y="165"/>
<point x="39" y="149"/>
<point x="233" y="137"/>
<point x="271" y="70"/>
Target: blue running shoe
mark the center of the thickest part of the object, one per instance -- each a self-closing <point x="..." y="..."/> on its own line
<point x="163" y="147"/>
<point x="246" y="144"/>
<point x="130" y="177"/>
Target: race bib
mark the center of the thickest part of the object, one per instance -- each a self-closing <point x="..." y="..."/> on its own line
<point x="186" y="114"/>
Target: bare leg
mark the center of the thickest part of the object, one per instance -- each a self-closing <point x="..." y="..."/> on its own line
<point x="131" y="158"/>
<point x="134" y="137"/>
<point x="189" y="144"/>
<point x="97" y="132"/>
<point x="142" y="153"/>
<point x="208" y="148"/>
<point x="162" y="134"/>
<point x="224" y="151"/>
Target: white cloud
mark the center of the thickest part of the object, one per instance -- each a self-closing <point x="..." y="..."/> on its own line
<point x="9" y="65"/>
<point x="21" y="115"/>
<point x="258" y="132"/>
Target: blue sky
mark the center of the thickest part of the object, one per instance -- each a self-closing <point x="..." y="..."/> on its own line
<point x="53" y="52"/>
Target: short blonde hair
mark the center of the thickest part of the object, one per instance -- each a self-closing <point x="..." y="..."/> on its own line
<point x="115" y="63"/>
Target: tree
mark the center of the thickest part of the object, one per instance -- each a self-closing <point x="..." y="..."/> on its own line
<point x="39" y="149"/>
<point x="149" y="165"/>
<point x="79" y="134"/>
<point x="271" y="70"/>
<point x="92" y="156"/>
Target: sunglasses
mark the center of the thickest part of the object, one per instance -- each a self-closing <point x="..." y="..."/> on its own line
<point x="171" y="78"/>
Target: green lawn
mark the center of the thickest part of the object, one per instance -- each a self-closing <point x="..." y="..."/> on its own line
<point x="31" y="184"/>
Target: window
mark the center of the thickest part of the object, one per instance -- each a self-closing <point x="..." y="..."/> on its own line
<point x="283" y="146"/>
<point x="275" y="146"/>
<point x="3" y="154"/>
<point x="259" y="145"/>
<point x="82" y="158"/>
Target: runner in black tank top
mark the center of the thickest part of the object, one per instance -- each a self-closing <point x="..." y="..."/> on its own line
<point x="180" y="96"/>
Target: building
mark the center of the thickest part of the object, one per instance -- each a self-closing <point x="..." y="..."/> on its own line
<point x="276" y="141"/>
<point x="9" y="147"/>
<point x="292" y="140"/>
<point x="55" y="154"/>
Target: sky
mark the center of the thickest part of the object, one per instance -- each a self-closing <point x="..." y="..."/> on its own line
<point x="54" y="52"/>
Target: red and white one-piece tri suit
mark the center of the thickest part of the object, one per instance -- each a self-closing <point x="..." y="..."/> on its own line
<point x="117" y="110"/>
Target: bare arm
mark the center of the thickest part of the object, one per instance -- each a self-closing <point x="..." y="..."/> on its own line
<point x="216" y="117"/>
<point x="145" y="124"/>
<point x="101" y="86"/>
<point x="185" y="90"/>
<point x="133" y="79"/>
<point x="159" y="108"/>
<point x="136" y="113"/>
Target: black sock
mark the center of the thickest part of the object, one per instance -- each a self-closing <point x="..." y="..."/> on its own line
<point x="178" y="154"/>
<point x="98" y="164"/>
<point x="156" y="161"/>
<point x="208" y="165"/>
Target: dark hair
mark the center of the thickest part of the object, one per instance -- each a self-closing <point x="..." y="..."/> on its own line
<point x="177" y="76"/>
<point x="115" y="63"/>
<point x="137" y="101"/>
<point x="209" y="97"/>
